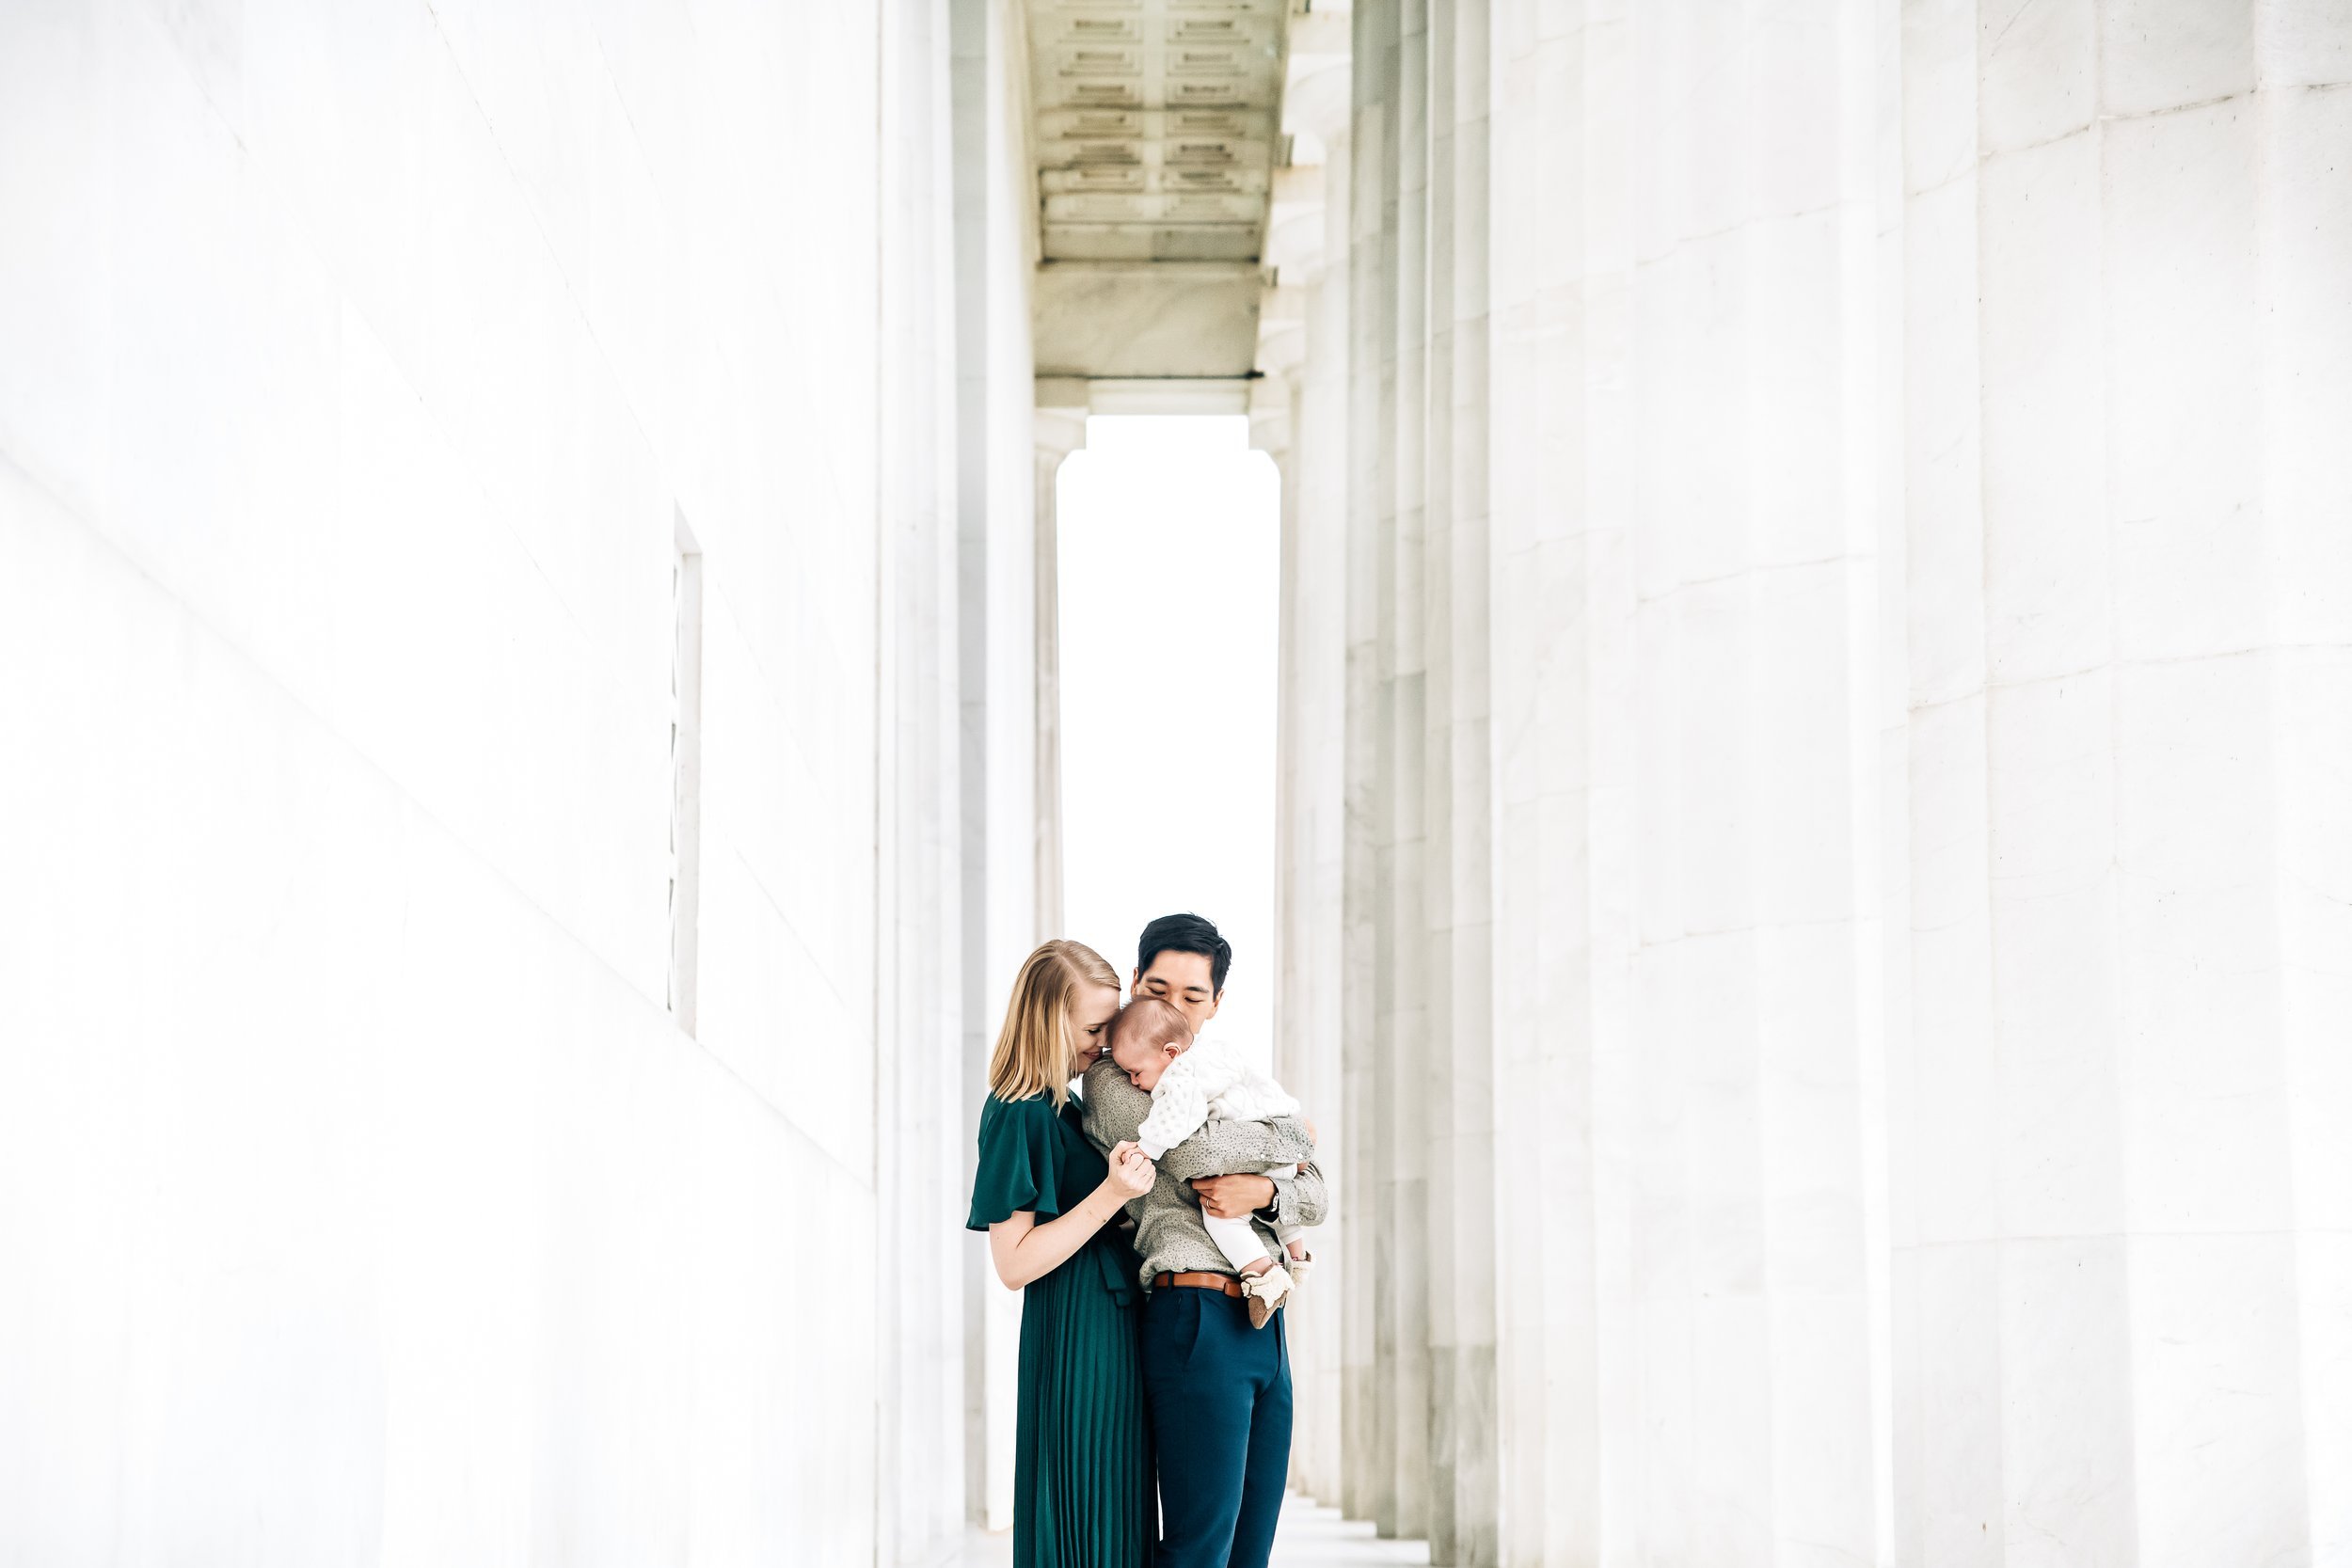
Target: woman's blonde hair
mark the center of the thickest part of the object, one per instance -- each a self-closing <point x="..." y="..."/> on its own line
<point x="1036" y="1049"/>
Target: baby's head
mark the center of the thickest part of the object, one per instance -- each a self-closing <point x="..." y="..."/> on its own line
<point x="1146" y="1035"/>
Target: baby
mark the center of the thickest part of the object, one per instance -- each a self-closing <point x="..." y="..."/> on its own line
<point x="1190" y="1083"/>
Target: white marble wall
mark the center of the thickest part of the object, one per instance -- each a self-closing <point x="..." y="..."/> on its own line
<point x="359" y="1199"/>
<point x="1878" y="466"/>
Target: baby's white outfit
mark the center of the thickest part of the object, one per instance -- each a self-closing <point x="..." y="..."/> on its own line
<point x="1212" y="1079"/>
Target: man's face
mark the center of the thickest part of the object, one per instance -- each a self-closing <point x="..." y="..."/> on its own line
<point x="1143" y="1059"/>
<point x="1181" y="978"/>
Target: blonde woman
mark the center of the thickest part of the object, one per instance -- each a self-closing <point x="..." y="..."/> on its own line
<point x="1082" y="1457"/>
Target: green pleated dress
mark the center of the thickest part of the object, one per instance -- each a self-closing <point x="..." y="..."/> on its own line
<point x="1082" y="1457"/>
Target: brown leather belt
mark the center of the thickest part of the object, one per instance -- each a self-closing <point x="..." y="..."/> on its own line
<point x="1224" y="1282"/>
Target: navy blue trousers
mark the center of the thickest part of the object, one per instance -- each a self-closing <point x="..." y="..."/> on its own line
<point x="1219" y="1393"/>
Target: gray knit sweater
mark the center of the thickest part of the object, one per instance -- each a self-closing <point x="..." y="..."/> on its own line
<point x="1169" y="1232"/>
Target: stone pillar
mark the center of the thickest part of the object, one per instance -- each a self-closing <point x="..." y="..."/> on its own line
<point x="1304" y="331"/>
<point x="919" y="1113"/>
<point x="968" y="90"/>
<point x="1368" y="1409"/>
<point x="995" y="208"/>
<point x="1402" y="1059"/>
<point x="1060" y="431"/>
<point x="2123" y="1265"/>
<point x="1416" y="895"/>
<point x="1307" y="1055"/>
<point x="1511" y="877"/>
<point x="1459" y="881"/>
<point x="1561" y="468"/>
<point x="1845" y="598"/>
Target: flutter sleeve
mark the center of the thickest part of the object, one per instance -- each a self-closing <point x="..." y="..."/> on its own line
<point x="1020" y="1165"/>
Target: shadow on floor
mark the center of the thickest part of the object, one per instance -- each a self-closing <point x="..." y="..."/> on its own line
<point x="1310" y="1537"/>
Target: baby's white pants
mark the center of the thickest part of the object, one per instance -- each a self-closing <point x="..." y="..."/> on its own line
<point x="1238" y="1240"/>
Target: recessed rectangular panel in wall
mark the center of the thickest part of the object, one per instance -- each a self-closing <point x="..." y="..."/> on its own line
<point x="686" y="769"/>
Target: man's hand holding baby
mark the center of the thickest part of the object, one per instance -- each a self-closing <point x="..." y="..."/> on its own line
<point x="1234" y="1197"/>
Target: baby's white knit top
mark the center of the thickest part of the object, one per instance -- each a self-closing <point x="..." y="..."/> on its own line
<point x="1209" y="1080"/>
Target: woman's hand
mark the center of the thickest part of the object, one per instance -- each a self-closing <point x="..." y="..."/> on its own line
<point x="1025" y="1250"/>
<point x="1132" y="1173"/>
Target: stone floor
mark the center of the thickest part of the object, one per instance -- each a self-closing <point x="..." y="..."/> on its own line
<point x="1310" y="1537"/>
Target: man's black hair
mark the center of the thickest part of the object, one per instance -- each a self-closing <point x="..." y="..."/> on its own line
<point x="1186" y="933"/>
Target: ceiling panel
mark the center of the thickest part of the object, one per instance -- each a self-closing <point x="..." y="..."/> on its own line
<point x="1157" y="141"/>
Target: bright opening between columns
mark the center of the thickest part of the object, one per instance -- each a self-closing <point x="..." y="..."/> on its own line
<point x="1170" y="559"/>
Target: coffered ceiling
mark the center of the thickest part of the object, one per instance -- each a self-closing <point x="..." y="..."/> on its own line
<point x="1156" y="143"/>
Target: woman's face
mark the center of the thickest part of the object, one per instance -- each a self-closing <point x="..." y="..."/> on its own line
<point x="1090" y="1010"/>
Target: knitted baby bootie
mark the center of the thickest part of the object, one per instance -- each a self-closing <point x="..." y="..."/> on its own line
<point x="1267" y="1292"/>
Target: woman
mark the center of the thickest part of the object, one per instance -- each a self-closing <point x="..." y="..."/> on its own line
<point x="1082" y="1459"/>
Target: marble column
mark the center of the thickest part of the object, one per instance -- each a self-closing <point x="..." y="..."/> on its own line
<point x="1458" y="880"/>
<point x="1685" y="961"/>
<point x="1417" y="889"/>
<point x="1368" y="1407"/>
<point x="2121" y="1259"/>
<point x="995" y="259"/>
<point x="920" y="1111"/>
<point x="1060" y="431"/>
<point x="1309" y="341"/>
<point x="1402" y="1062"/>
<point x="1842" y="632"/>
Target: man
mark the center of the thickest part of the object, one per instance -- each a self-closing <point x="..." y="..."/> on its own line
<point x="1219" y="1390"/>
